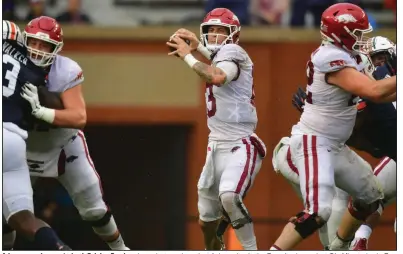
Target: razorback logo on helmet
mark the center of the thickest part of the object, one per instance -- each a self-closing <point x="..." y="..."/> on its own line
<point x="346" y="18"/>
<point x="337" y="63"/>
<point x="235" y="18"/>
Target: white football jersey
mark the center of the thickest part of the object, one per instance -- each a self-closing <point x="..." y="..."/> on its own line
<point x="329" y="110"/>
<point x="231" y="113"/>
<point x="64" y="74"/>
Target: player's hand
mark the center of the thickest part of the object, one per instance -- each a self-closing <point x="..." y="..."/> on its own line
<point x="186" y="34"/>
<point x="182" y="48"/>
<point x="30" y="93"/>
<point x="298" y="100"/>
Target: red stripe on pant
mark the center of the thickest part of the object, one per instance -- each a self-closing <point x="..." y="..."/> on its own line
<point x="246" y="168"/>
<point x="381" y="165"/>
<point x="306" y="157"/>
<point x="315" y="176"/>
<point x="289" y="161"/>
<point x="87" y="154"/>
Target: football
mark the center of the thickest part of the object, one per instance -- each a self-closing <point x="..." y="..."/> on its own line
<point x="49" y="99"/>
<point x="173" y="49"/>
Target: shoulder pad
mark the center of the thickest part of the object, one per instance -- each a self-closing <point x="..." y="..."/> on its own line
<point x="331" y="59"/>
<point x="231" y="52"/>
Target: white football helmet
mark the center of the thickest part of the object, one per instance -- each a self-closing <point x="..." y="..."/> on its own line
<point x="379" y="44"/>
<point x="12" y="32"/>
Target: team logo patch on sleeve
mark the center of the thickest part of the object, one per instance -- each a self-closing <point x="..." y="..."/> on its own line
<point x="79" y="76"/>
<point x="337" y="63"/>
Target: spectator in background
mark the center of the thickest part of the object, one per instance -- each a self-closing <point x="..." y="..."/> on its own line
<point x="36" y="9"/>
<point x="315" y="7"/>
<point x="268" y="12"/>
<point x="8" y="10"/>
<point x="239" y="7"/>
<point x="391" y="4"/>
<point x="73" y="14"/>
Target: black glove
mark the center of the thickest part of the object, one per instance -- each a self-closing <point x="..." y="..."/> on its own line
<point x="298" y="100"/>
<point x="391" y="62"/>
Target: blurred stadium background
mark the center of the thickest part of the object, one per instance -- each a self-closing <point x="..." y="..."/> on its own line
<point x="146" y="128"/>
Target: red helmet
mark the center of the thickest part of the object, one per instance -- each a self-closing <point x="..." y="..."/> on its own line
<point x="220" y="17"/>
<point x="45" y="29"/>
<point x="344" y="24"/>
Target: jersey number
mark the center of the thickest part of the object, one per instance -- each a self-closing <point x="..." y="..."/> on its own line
<point x="309" y="71"/>
<point x="10" y="77"/>
<point x="211" y="101"/>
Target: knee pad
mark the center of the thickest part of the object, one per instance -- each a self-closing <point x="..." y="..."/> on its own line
<point x="235" y="209"/>
<point x="97" y="217"/>
<point x="106" y="225"/>
<point x="90" y="205"/>
<point x="325" y="211"/>
<point x="94" y="214"/>
<point x="306" y="224"/>
<point x="360" y="210"/>
<point x="209" y="209"/>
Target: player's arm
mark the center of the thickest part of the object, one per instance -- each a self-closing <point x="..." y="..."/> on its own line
<point x="221" y="74"/>
<point x="211" y="74"/>
<point x="74" y="114"/>
<point x="361" y="85"/>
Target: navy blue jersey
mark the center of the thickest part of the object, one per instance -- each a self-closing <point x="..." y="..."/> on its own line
<point x="381" y="72"/>
<point x="17" y="70"/>
<point x="380" y="123"/>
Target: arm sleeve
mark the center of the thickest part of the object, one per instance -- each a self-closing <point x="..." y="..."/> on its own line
<point x="230" y="69"/>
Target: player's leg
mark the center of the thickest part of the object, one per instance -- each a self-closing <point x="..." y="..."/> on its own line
<point x="339" y="206"/>
<point x="18" y="208"/>
<point x="210" y="216"/>
<point x="385" y="172"/>
<point x="354" y="175"/>
<point x="8" y="236"/>
<point x="83" y="184"/>
<point x="283" y="164"/>
<point x="241" y="165"/>
<point x="208" y="204"/>
<point x="315" y="166"/>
